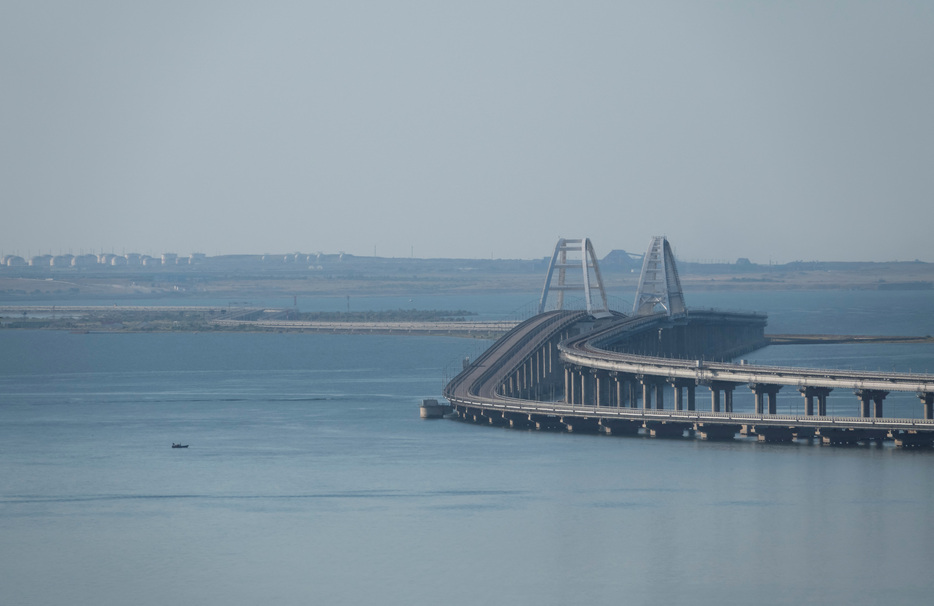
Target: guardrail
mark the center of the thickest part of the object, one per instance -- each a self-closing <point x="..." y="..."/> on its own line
<point x="695" y="416"/>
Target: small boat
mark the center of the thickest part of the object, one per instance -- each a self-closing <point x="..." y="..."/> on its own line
<point x="175" y="445"/>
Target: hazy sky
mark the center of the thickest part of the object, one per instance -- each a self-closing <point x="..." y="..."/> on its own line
<point x="771" y="130"/>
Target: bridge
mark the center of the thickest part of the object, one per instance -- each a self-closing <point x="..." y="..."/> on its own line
<point x="598" y="370"/>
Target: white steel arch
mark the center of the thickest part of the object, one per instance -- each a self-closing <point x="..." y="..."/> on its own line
<point x="659" y="284"/>
<point x="564" y="259"/>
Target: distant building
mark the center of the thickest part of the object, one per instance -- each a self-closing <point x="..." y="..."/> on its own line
<point x="41" y="261"/>
<point x="14" y="261"/>
<point x="61" y="261"/>
<point x="84" y="261"/>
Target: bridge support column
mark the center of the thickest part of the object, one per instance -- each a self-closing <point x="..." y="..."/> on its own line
<point x="773" y="399"/>
<point x="582" y="379"/>
<point x="601" y="389"/>
<point x="873" y="396"/>
<point x="568" y="386"/>
<point x="864" y="399"/>
<point x="877" y="399"/>
<point x="646" y="391"/>
<point x="927" y="400"/>
<point x="691" y="402"/>
<point x="676" y="385"/>
<point x="727" y="388"/>
<point x="616" y="391"/>
<point x="771" y="393"/>
<point x="822" y="393"/>
<point x="808" y="401"/>
<point x="809" y="393"/>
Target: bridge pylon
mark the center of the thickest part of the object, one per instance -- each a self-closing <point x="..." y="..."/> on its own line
<point x="576" y="254"/>
<point x="659" y="284"/>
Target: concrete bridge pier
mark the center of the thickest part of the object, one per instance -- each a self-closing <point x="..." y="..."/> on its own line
<point x="580" y="424"/>
<point x="913" y="439"/>
<point x="727" y="388"/>
<point x="679" y="385"/>
<point x="582" y="381"/>
<point x="873" y="397"/>
<point x="545" y="422"/>
<point x="805" y="433"/>
<point x="573" y="384"/>
<point x="771" y="393"/>
<point x="603" y="394"/>
<point x="809" y="394"/>
<point x="772" y="434"/>
<point x="652" y="386"/>
<point x="632" y="391"/>
<point x="624" y="389"/>
<point x="832" y="436"/>
<point x="517" y="420"/>
<point x="616" y="388"/>
<point x="492" y="418"/>
<point x="618" y="427"/>
<point x="708" y="431"/>
<point x="663" y="429"/>
<point x="927" y="400"/>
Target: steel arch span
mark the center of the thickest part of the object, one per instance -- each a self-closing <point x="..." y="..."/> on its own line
<point x="570" y="255"/>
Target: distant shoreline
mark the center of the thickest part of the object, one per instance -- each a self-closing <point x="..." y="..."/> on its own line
<point x="257" y="277"/>
<point x="150" y="319"/>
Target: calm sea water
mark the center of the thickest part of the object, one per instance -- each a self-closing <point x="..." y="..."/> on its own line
<point x="310" y="479"/>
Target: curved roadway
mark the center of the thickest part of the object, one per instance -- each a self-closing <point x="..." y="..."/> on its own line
<point x="586" y="351"/>
<point x="481" y="379"/>
<point x="478" y="384"/>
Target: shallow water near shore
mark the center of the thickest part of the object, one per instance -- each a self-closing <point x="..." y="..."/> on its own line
<point x="311" y="479"/>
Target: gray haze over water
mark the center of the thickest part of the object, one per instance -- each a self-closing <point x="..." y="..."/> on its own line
<point x="774" y="131"/>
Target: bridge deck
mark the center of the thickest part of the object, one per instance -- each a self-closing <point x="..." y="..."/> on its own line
<point x="480" y="386"/>
<point x="586" y="351"/>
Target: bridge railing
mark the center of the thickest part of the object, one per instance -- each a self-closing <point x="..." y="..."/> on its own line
<point x="687" y="416"/>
